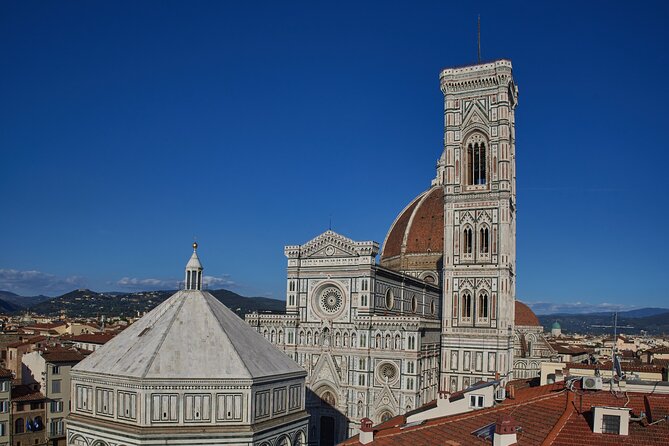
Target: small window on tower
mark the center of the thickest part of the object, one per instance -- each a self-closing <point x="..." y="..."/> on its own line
<point x="483" y="305"/>
<point x="476" y="160"/>
<point x="484" y="240"/>
<point x="466" y="305"/>
<point x="468" y="241"/>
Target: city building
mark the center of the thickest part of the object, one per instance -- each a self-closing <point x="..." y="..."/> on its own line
<point x="27" y="415"/>
<point x="49" y="368"/>
<point x="16" y="350"/>
<point x="530" y="346"/>
<point x="571" y="413"/>
<point x="90" y="341"/>
<point x="368" y="336"/>
<point x="457" y="241"/>
<point x="477" y="173"/>
<point x="190" y="372"/>
<point x="5" y="406"/>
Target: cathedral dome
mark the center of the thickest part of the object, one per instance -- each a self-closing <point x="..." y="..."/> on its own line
<point x="525" y="317"/>
<point x="415" y="241"/>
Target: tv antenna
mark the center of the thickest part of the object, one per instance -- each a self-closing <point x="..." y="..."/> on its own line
<point x="614" y="356"/>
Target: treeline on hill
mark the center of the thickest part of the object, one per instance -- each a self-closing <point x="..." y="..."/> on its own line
<point x="87" y="303"/>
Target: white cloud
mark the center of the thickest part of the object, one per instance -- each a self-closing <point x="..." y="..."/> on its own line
<point x="134" y="283"/>
<point x="215" y="282"/>
<point x="37" y="282"/>
<point x="146" y="284"/>
<point x="576" y="307"/>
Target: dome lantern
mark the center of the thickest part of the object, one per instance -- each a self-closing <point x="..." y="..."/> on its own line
<point x="193" y="271"/>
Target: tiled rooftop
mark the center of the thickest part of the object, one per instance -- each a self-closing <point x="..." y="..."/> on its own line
<point x="94" y="338"/>
<point x="22" y="393"/>
<point x="546" y="415"/>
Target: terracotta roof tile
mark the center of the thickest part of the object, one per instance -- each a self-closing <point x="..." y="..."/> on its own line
<point x="545" y="414"/>
<point x="60" y="355"/>
<point x="525" y="316"/>
<point x="426" y="230"/>
<point x="393" y="245"/>
<point x="660" y="350"/>
<point x="28" y="341"/>
<point x="626" y="367"/>
<point x="22" y="393"/>
<point x="94" y="338"/>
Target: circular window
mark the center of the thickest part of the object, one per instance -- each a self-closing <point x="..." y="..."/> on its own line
<point x="387" y="372"/>
<point x="433" y="307"/>
<point x="414" y="304"/>
<point x="390" y="299"/>
<point x="331" y="300"/>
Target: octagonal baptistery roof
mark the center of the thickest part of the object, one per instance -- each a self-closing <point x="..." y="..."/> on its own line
<point x="190" y="372"/>
<point x="190" y="335"/>
<point x="415" y="241"/>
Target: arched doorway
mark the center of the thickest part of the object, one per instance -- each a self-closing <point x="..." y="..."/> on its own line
<point x="328" y="425"/>
<point x="327" y="437"/>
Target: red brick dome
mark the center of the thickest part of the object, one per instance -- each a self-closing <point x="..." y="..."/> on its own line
<point x="415" y="240"/>
<point x="525" y="316"/>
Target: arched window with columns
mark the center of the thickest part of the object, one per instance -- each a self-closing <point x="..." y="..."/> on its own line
<point x="466" y="305"/>
<point x="483" y="305"/>
<point x="484" y="240"/>
<point x="476" y="147"/>
<point x="467" y="240"/>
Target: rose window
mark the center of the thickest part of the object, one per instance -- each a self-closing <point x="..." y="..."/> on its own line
<point x="331" y="300"/>
<point x="387" y="372"/>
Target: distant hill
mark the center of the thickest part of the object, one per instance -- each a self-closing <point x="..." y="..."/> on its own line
<point x="87" y="303"/>
<point x="20" y="302"/>
<point x="655" y="321"/>
<point x="643" y="312"/>
<point x="6" y="306"/>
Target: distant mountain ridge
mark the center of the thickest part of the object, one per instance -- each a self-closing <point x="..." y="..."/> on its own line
<point x="638" y="312"/>
<point x="15" y="301"/>
<point x="654" y="321"/>
<point x="87" y="303"/>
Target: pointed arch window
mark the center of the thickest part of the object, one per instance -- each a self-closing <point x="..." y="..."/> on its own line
<point x="468" y="241"/>
<point x="466" y="305"/>
<point x="484" y="240"/>
<point x="483" y="305"/>
<point x="476" y="160"/>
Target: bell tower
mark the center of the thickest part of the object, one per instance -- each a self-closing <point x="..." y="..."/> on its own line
<point x="477" y="172"/>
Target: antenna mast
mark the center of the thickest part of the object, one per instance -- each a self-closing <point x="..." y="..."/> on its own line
<point x="479" y="38"/>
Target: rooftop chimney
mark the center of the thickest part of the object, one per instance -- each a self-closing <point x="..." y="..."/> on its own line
<point x="512" y="392"/>
<point x="505" y="431"/>
<point x="366" y="431"/>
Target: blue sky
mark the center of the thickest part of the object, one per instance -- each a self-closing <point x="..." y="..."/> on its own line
<point x="128" y="128"/>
